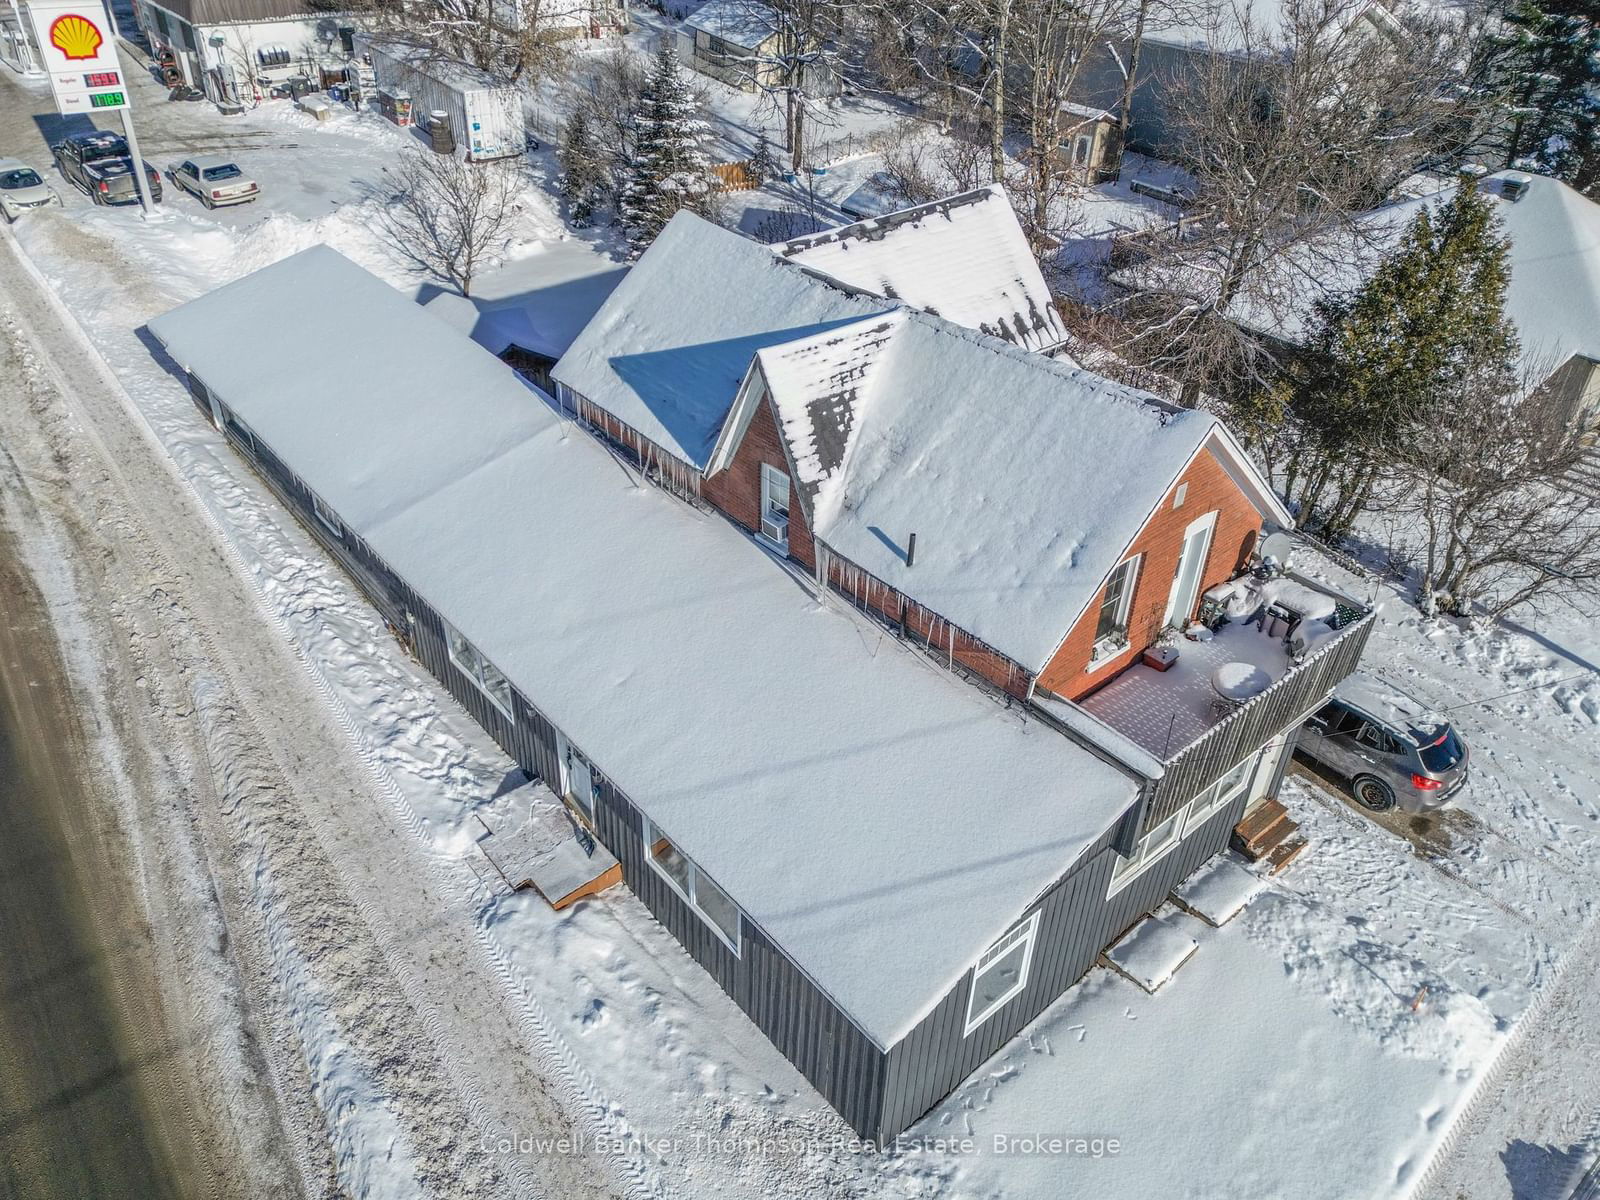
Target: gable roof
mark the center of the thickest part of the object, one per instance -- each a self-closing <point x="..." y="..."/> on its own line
<point x="1025" y="479"/>
<point x="841" y="819"/>
<point x="669" y="347"/>
<point x="964" y="258"/>
<point x="743" y="23"/>
<point x="1553" y="297"/>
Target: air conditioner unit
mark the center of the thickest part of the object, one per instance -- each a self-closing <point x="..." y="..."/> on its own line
<point x="775" y="528"/>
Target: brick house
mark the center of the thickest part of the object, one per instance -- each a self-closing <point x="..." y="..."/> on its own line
<point x="886" y="602"/>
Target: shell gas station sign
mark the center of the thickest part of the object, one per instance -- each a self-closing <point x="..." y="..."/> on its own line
<point x="80" y="55"/>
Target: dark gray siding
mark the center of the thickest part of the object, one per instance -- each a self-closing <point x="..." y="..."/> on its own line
<point x="1076" y="922"/>
<point x="878" y="1094"/>
<point x="796" y="1016"/>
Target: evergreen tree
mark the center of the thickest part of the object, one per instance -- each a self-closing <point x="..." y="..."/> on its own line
<point x="1425" y="334"/>
<point x="583" y="170"/>
<point x="1552" y="61"/>
<point x="669" y="169"/>
<point x="764" y="164"/>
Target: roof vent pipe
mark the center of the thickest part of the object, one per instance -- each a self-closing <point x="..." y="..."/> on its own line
<point x="911" y="549"/>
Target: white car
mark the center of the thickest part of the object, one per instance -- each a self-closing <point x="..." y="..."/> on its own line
<point x="22" y="188"/>
<point x="214" y="180"/>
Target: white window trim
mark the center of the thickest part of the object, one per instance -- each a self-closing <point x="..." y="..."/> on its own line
<point x="473" y="670"/>
<point x="1143" y="859"/>
<point x="1024" y="932"/>
<point x="783" y="544"/>
<point x="1105" y="648"/>
<point x="326" y="515"/>
<point x="652" y="834"/>
<point x="1213" y="800"/>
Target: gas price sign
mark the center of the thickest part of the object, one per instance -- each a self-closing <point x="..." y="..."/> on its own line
<point x="80" y="55"/>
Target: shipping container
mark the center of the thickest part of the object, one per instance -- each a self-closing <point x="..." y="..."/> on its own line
<point x="486" y="119"/>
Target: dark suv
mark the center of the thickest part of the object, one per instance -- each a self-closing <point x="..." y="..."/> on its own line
<point x="1392" y="749"/>
<point x="98" y="162"/>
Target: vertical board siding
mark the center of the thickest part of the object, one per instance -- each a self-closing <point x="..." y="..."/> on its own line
<point x="828" y="1048"/>
<point x="879" y="1094"/>
<point x="825" y="1045"/>
<point x="1076" y="922"/>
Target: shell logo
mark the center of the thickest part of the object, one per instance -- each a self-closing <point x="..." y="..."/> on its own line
<point x="76" y="37"/>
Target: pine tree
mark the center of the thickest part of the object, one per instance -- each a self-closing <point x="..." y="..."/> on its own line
<point x="1552" y="67"/>
<point x="1425" y="333"/>
<point x="764" y="164"/>
<point x="583" y="171"/>
<point x="670" y="169"/>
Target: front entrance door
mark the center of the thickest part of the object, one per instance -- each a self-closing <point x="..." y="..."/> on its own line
<point x="1191" y="569"/>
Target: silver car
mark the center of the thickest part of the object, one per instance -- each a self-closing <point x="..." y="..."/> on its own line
<point x="22" y="189"/>
<point x="1393" y="749"/>
<point x="213" y="180"/>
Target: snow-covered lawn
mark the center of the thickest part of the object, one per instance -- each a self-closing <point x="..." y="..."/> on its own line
<point x="1320" y="1044"/>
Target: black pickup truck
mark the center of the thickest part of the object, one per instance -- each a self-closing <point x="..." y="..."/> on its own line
<point x="99" y="163"/>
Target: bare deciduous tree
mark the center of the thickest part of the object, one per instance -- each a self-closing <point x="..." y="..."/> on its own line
<point x="1284" y="140"/>
<point x="447" y="217"/>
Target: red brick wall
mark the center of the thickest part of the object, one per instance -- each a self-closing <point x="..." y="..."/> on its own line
<point x="737" y="490"/>
<point x="1238" y="525"/>
<point x="928" y="627"/>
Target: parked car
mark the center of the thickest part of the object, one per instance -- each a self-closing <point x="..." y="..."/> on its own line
<point x="213" y="180"/>
<point x="1394" y="751"/>
<point x="21" y="189"/>
<point x="98" y="162"/>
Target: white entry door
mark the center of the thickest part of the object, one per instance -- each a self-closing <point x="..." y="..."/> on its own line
<point x="1191" y="569"/>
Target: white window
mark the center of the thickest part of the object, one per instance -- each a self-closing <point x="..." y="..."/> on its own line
<point x="775" y="506"/>
<point x="1111" y="630"/>
<point x="1152" y="848"/>
<point x="693" y="884"/>
<point x="1180" y="495"/>
<point x="1001" y="972"/>
<point x="479" y="669"/>
<point x="1218" y="796"/>
<point x="326" y="515"/>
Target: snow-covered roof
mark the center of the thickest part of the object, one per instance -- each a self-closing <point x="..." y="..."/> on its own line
<point x="826" y="782"/>
<point x="964" y="257"/>
<point x="743" y="23"/>
<point x="1235" y="25"/>
<point x="669" y="347"/>
<point x="538" y="303"/>
<point x="1024" y="478"/>
<point x="1553" y="296"/>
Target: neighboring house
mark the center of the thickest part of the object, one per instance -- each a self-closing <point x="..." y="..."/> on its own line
<point x="1180" y="43"/>
<point x="231" y="49"/>
<point x="849" y="744"/>
<point x="749" y="45"/>
<point x="736" y="41"/>
<point x="964" y="258"/>
<point x="1553" y="297"/>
